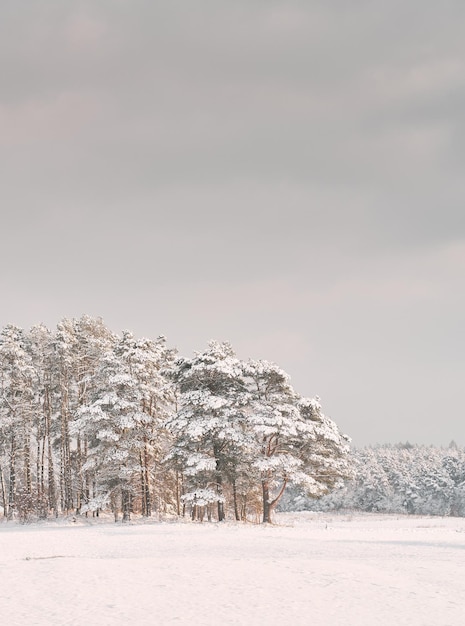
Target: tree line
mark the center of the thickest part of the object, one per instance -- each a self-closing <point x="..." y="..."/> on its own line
<point x="92" y="421"/>
<point x="402" y="478"/>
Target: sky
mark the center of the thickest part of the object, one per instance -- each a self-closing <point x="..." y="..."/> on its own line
<point x="283" y="175"/>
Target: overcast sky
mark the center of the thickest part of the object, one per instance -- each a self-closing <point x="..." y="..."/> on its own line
<point x="288" y="176"/>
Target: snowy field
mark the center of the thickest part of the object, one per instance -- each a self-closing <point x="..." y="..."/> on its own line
<point x="312" y="569"/>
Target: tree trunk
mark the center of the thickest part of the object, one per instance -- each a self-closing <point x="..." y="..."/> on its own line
<point x="52" y="498"/>
<point x="146" y="484"/>
<point x="65" y="457"/>
<point x="236" y="508"/>
<point x="221" y="514"/>
<point x="80" y="480"/>
<point x="142" y="487"/>
<point x="52" y="494"/>
<point x="41" y="499"/>
<point x="244" y="508"/>
<point x="27" y="460"/>
<point x="269" y="505"/>
<point x="39" y="475"/>
<point x="12" y="486"/>
<point x="113" y="504"/>
<point x="4" y="501"/>
<point x="126" y="503"/>
<point x="178" y="493"/>
<point x="219" y="485"/>
<point x="86" y="476"/>
<point x="266" y="502"/>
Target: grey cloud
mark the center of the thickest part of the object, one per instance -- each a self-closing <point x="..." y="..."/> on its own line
<point x="285" y="175"/>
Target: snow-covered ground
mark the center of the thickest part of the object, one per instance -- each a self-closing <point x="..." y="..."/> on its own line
<point x="312" y="569"/>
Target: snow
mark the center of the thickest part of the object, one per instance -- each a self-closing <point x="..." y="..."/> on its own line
<point x="307" y="568"/>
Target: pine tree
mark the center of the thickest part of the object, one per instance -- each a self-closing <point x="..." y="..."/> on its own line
<point x="294" y="441"/>
<point x="208" y="428"/>
<point x="121" y="420"/>
<point x="65" y="352"/>
<point x="93" y="341"/>
<point x="41" y="340"/>
<point x="147" y="362"/>
<point x="16" y="417"/>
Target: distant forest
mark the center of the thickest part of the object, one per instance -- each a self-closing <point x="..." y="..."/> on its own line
<point x="402" y="478"/>
<point x="92" y="421"/>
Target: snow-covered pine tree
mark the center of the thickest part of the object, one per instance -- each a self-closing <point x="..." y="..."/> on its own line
<point x="294" y="441"/>
<point x="325" y="453"/>
<point x="93" y="341"/>
<point x="128" y="401"/>
<point x="65" y="400"/>
<point x="147" y="362"/>
<point x="208" y="427"/>
<point x="17" y="408"/>
<point x="110" y="424"/>
<point x="41" y="341"/>
<point x="272" y="419"/>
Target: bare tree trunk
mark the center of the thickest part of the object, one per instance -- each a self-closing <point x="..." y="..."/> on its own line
<point x="236" y="508"/>
<point x="39" y="485"/>
<point x="4" y="501"/>
<point x="86" y="475"/>
<point x="114" y="505"/>
<point x="62" y="463"/>
<point x="12" y="485"/>
<point x="266" y="502"/>
<point x="142" y="486"/>
<point x="269" y="505"/>
<point x="65" y="460"/>
<point x="219" y="485"/>
<point x="178" y="495"/>
<point x="147" y="496"/>
<point x="27" y="460"/>
<point x="52" y="494"/>
<point x="126" y="503"/>
<point x="40" y="468"/>
<point x="80" y="485"/>
<point x="145" y="481"/>
<point x="52" y="498"/>
<point x="178" y="492"/>
<point x="244" y="508"/>
<point x="221" y="514"/>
